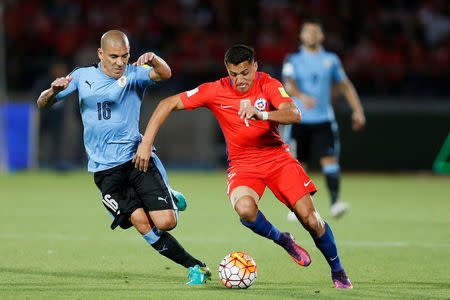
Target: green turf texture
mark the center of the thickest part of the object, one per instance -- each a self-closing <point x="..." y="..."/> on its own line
<point x="55" y="241"/>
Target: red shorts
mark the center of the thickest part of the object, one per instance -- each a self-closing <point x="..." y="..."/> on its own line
<point x="282" y="174"/>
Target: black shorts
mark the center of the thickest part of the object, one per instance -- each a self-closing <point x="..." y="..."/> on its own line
<point x="125" y="189"/>
<point x="322" y="139"/>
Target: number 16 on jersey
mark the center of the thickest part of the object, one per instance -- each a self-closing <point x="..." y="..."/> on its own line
<point x="103" y="110"/>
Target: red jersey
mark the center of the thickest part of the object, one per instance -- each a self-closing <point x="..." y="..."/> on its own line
<point x="253" y="143"/>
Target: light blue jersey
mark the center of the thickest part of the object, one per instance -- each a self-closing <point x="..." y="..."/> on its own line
<point x="110" y="112"/>
<point x="314" y="73"/>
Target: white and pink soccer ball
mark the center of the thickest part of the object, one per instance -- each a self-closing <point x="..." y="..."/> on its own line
<point x="237" y="270"/>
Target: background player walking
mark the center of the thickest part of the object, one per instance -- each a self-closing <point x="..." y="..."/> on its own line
<point x="308" y="75"/>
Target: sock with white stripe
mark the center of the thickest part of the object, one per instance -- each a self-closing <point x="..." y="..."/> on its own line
<point x="168" y="246"/>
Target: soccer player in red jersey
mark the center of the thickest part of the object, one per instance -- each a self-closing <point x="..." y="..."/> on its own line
<point x="249" y="105"/>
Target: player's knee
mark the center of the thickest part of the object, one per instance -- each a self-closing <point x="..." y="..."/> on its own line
<point x="140" y="221"/>
<point x="312" y="222"/>
<point x="246" y="209"/>
<point x="142" y="226"/>
<point x="166" y="223"/>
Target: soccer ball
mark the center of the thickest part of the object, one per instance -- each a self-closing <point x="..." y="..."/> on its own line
<point x="237" y="270"/>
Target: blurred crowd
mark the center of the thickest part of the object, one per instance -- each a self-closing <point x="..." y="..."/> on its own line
<point x="387" y="47"/>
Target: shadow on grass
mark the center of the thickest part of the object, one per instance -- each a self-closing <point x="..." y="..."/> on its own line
<point x="94" y="274"/>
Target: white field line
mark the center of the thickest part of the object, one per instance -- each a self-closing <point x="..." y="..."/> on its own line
<point x="392" y="244"/>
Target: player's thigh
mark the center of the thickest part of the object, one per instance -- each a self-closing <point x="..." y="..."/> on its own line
<point x="326" y="140"/>
<point x="151" y="189"/>
<point x="117" y="197"/>
<point x="302" y="135"/>
<point x="244" y="184"/>
<point x="290" y="182"/>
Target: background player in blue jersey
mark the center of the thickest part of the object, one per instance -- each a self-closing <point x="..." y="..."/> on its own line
<point x="308" y="76"/>
<point x="110" y="96"/>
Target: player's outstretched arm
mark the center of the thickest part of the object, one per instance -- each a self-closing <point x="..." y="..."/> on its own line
<point x="161" y="70"/>
<point x="159" y="116"/>
<point x="358" y="118"/>
<point x="287" y="113"/>
<point x="48" y="97"/>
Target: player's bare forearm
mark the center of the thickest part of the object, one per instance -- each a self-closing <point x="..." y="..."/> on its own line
<point x="351" y="95"/>
<point x="159" y="116"/>
<point x="287" y="113"/>
<point x="160" y="69"/>
<point x="46" y="99"/>
<point x="358" y="118"/>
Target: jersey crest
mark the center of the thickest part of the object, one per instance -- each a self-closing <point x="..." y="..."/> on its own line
<point x="261" y="104"/>
<point x="327" y="63"/>
<point x="122" y="81"/>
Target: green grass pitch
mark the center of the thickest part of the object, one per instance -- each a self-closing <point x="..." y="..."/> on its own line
<point x="55" y="241"/>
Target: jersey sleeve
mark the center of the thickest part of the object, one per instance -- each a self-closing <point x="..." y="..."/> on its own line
<point x="199" y="97"/>
<point x="288" y="71"/>
<point x="338" y="73"/>
<point x="143" y="76"/>
<point x="72" y="87"/>
<point x="276" y="93"/>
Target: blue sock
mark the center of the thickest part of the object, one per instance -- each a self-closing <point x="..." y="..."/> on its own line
<point x="263" y="227"/>
<point x="327" y="246"/>
<point x="153" y="235"/>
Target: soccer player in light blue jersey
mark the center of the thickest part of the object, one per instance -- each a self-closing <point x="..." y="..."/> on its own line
<point x="308" y="76"/>
<point x="110" y="96"/>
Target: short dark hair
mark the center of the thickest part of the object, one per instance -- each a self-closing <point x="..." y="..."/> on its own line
<point x="312" y="20"/>
<point x="239" y="53"/>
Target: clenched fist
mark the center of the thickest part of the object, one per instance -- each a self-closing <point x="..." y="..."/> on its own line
<point x="60" y="84"/>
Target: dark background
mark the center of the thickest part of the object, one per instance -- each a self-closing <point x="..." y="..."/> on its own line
<point x="396" y="53"/>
